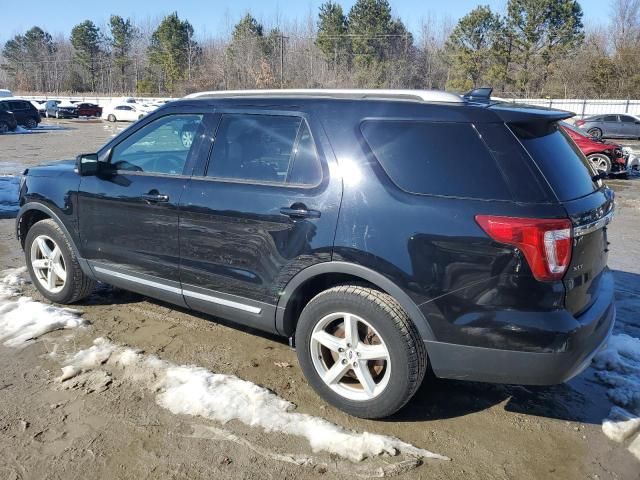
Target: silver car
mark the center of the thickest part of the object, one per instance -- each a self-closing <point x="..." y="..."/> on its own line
<point x="611" y="126"/>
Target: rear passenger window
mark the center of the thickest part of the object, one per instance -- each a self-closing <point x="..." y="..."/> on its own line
<point x="430" y="158"/>
<point x="265" y="149"/>
<point x="611" y="118"/>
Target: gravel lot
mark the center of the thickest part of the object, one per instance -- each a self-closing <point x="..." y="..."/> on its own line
<point x="115" y="429"/>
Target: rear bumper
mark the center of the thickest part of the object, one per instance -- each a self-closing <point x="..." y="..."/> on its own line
<point x="590" y="334"/>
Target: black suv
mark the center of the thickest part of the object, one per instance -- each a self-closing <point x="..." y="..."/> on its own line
<point x="381" y="231"/>
<point x="23" y="110"/>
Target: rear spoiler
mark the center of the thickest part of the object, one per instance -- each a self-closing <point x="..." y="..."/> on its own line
<point x="519" y="113"/>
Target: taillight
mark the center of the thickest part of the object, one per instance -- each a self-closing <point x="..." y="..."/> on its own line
<point x="545" y="243"/>
<point x="579" y="123"/>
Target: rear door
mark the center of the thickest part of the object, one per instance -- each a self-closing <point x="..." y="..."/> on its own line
<point x="263" y="208"/>
<point x="589" y="205"/>
<point x="629" y="126"/>
<point x="611" y="126"/>
<point x="129" y="220"/>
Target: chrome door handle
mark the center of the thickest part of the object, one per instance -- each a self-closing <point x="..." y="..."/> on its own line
<point x="299" y="212"/>
<point x="155" y="198"/>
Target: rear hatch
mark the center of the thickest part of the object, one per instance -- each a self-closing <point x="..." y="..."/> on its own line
<point x="588" y="202"/>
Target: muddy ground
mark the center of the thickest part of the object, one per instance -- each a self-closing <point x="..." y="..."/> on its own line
<point x="117" y="430"/>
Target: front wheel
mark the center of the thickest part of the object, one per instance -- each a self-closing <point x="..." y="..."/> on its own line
<point x="53" y="265"/>
<point x="4" y="127"/>
<point x="600" y="162"/>
<point x="111" y="118"/>
<point x="360" y="351"/>
<point x="31" y="123"/>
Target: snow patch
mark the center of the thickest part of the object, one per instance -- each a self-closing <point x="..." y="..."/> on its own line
<point x="619" y="368"/>
<point x="23" y="319"/>
<point x="192" y="390"/>
<point x="9" y="190"/>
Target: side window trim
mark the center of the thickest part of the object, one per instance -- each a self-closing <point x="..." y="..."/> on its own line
<point x="220" y="112"/>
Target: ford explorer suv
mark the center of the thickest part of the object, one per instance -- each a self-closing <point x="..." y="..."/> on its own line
<point x="382" y="232"/>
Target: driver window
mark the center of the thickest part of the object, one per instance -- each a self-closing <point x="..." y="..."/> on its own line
<point x="161" y="147"/>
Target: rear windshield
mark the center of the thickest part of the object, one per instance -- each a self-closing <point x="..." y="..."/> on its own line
<point x="428" y="158"/>
<point x="561" y="162"/>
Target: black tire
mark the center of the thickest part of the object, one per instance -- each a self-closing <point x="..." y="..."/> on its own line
<point x="600" y="161"/>
<point x="31" y="123"/>
<point x="77" y="285"/>
<point x="595" y="132"/>
<point x="111" y="118"/>
<point x="4" y="127"/>
<point x="407" y="353"/>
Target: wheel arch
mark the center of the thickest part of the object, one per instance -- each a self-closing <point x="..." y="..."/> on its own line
<point x="312" y="280"/>
<point x="31" y="213"/>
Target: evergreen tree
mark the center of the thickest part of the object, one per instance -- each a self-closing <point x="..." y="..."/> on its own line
<point x="170" y="48"/>
<point x="471" y="47"/>
<point x="86" y="40"/>
<point x="123" y="33"/>
<point x="543" y="30"/>
<point x="332" y="28"/>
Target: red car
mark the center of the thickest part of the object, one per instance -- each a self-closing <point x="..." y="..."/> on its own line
<point x="603" y="155"/>
<point x="88" y="110"/>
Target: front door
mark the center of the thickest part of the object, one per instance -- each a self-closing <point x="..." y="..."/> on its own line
<point x="263" y="209"/>
<point x="128" y="221"/>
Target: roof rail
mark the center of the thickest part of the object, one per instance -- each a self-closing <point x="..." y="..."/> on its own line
<point x="436" y="96"/>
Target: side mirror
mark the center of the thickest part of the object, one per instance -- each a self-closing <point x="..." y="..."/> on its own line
<point x="88" y="165"/>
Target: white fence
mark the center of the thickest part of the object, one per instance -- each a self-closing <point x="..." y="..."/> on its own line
<point x="581" y="107"/>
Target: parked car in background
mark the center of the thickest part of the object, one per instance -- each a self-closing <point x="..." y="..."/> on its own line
<point x="40" y="106"/>
<point x="603" y="156"/>
<point x="8" y="122"/>
<point x="62" y="109"/>
<point x="5" y="93"/>
<point x="24" y="112"/>
<point x="50" y="108"/>
<point x="386" y="233"/>
<point x="85" y="109"/>
<point x="122" y="113"/>
<point x="611" y="126"/>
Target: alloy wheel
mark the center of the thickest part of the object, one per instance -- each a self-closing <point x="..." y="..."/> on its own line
<point x="48" y="264"/>
<point x="350" y="356"/>
<point x="187" y="138"/>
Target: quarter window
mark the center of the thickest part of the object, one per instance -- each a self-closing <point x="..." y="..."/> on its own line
<point x="162" y="146"/>
<point x="627" y="119"/>
<point x="436" y="158"/>
<point x="265" y="149"/>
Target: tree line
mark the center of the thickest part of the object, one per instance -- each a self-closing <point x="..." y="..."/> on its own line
<point x="535" y="48"/>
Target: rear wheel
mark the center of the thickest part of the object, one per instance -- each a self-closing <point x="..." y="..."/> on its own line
<point x="360" y="351"/>
<point x="4" y="127"/>
<point x="111" y="117"/>
<point x="53" y="266"/>
<point x="595" y="132"/>
<point x="600" y="162"/>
